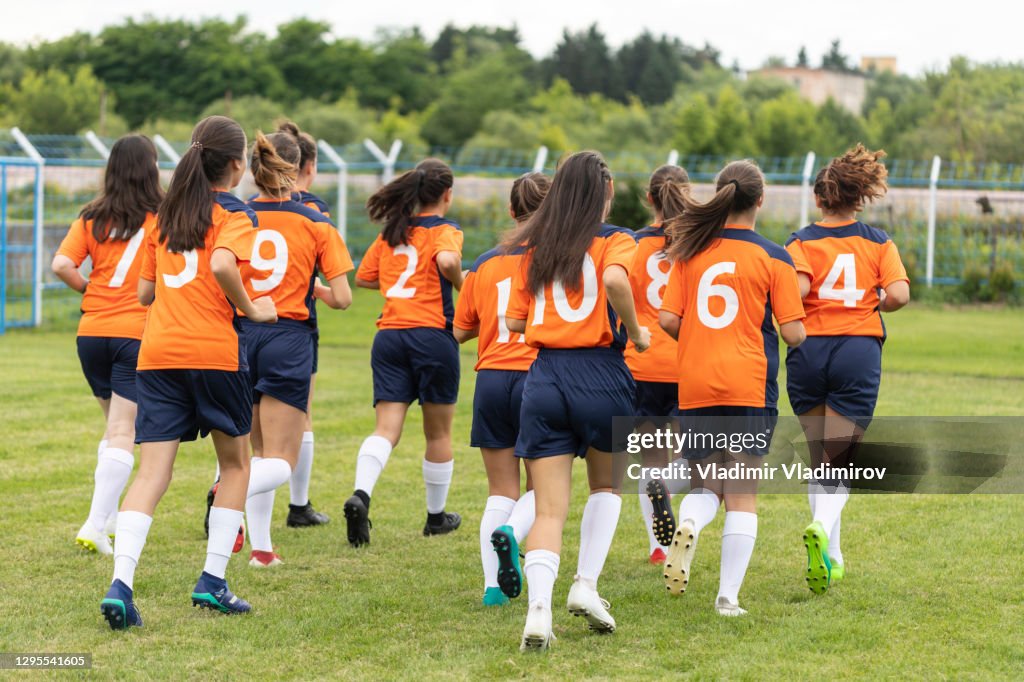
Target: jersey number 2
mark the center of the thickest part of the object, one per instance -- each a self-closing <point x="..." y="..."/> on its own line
<point x="398" y="289"/>
<point x="845" y="267"/>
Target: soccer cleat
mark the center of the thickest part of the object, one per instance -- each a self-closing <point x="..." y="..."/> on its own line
<point x="304" y="516"/>
<point x="727" y="607"/>
<point x="449" y="522"/>
<point x="664" y="526"/>
<point x="510" y="573"/>
<point x="211" y="592"/>
<point x="118" y="607"/>
<point x="537" y="635"/>
<point x="494" y="597"/>
<point x="93" y="540"/>
<point x="110" y="528"/>
<point x="358" y="519"/>
<point x="585" y="601"/>
<point x="838" y="571"/>
<point x="239" y="540"/>
<point x="819" y="567"/>
<point x="260" y="559"/>
<point x="211" y="494"/>
<point x="680" y="556"/>
<point x="657" y="557"/>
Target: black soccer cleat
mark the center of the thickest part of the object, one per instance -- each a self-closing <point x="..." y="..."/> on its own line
<point x="211" y="494"/>
<point x="304" y="516"/>
<point x="449" y="521"/>
<point x="664" y="525"/>
<point x="358" y="518"/>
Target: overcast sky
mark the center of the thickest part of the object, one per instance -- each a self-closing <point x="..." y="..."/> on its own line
<point x="920" y="34"/>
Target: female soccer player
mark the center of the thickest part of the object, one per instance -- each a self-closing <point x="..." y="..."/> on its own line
<point x="293" y="242"/>
<point x="415" y="262"/>
<point x="655" y="370"/>
<point x="502" y="361"/>
<point x="849" y="273"/>
<point x="192" y="376"/>
<point x="109" y="230"/>
<point x="571" y="298"/>
<point x="726" y="284"/>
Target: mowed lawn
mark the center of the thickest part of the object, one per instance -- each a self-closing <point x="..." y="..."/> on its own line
<point x="933" y="586"/>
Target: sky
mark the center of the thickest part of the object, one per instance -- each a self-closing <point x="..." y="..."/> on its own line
<point x="922" y="35"/>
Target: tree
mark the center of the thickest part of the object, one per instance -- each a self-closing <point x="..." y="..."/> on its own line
<point x="834" y="59"/>
<point x="585" y="61"/>
<point x="838" y="129"/>
<point x="402" y="69"/>
<point x="651" y="67"/>
<point x="695" y="127"/>
<point x="732" y="124"/>
<point x="801" y="58"/>
<point x="475" y="41"/>
<point x="785" y="126"/>
<point x="251" y="111"/>
<point x="54" y="102"/>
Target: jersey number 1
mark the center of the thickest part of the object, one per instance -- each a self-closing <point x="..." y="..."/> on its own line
<point x="504" y="294"/>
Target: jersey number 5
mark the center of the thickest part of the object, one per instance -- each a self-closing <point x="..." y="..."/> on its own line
<point x="707" y="289"/>
<point x="845" y="267"/>
<point x="186" y="275"/>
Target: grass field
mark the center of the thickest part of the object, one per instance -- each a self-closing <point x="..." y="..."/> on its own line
<point x="933" y="586"/>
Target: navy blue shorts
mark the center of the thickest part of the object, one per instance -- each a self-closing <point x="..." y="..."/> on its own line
<point x="496" y="405"/>
<point x="569" y="399"/>
<point x="842" y="372"/>
<point x="316" y="350"/>
<point x="656" y="399"/>
<point x="109" y="365"/>
<point x="280" y="360"/>
<point x="186" y="403"/>
<point x="728" y="428"/>
<point x="410" y="364"/>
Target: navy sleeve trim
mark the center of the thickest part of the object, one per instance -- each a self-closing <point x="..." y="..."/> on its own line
<point x="229" y="202"/>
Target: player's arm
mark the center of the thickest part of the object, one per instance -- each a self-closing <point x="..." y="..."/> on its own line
<point x="895" y="296"/>
<point x="224" y="265"/>
<point x="450" y="265"/>
<point x="463" y="335"/>
<point x="620" y="296"/>
<point x="804" y="282"/>
<point x="146" y="291"/>
<point x="793" y="333"/>
<point x="67" y="271"/>
<point x="337" y="294"/>
<point x="669" y="322"/>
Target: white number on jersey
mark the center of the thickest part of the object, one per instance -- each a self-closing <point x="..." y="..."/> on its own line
<point x="186" y="275"/>
<point x="276" y="264"/>
<point x="845" y="267"/>
<point x="659" y="278"/>
<point x="399" y="290"/>
<point x="562" y="305"/>
<point x="127" y="258"/>
<point x="504" y="294"/>
<point x="706" y="289"/>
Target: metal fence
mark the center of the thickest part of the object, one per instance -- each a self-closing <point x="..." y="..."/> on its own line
<point x="947" y="218"/>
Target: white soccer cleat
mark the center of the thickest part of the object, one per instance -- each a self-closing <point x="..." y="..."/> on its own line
<point x="585" y="601"/>
<point x="680" y="556"/>
<point x="727" y="607"/>
<point x="93" y="540"/>
<point x="537" y="634"/>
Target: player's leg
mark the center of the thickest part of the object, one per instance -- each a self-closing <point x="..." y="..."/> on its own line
<point x="438" y="464"/>
<point x="739" y="534"/>
<point x="697" y="509"/>
<point x="301" y="513"/>
<point x="502" y="468"/>
<point x="373" y="456"/>
<point x="113" y="469"/>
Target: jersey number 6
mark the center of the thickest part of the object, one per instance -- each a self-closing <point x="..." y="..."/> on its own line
<point x="707" y="289"/>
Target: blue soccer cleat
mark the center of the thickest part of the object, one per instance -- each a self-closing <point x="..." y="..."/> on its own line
<point x="510" y="575"/>
<point x="493" y="596"/>
<point x="213" y="593"/>
<point x="119" y="608"/>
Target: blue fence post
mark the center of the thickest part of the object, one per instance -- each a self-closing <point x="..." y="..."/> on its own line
<point x="3" y="247"/>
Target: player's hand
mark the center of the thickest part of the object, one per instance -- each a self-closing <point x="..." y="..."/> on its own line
<point x="320" y="291"/>
<point x="643" y="340"/>
<point x="264" y="310"/>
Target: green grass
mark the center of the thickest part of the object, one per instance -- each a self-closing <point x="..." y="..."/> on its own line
<point x="933" y="588"/>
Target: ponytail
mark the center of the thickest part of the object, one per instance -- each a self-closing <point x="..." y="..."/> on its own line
<point x="397" y="202"/>
<point x="848" y="181"/>
<point x="739" y="186"/>
<point x="275" y="164"/>
<point x="186" y="213"/>
<point x="528" y="191"/>
<point x="305" y="141"/>
<point x="660" y="179"/>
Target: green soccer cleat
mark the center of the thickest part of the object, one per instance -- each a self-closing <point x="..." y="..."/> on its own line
<point x="838" y="572"/>
<point x="819" y="567"/>
<point x="493" y="596"/>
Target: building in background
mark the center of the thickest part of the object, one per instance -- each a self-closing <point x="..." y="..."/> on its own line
<point x="878" y="64"/>
<point x="846" y="88"/>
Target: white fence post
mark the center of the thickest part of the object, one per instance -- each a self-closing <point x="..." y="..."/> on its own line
<point x="165" y="146"/>
<point x="673" y="158"/>
<point x="933" y="199"/>
<point x="805" y="189"/>
<point x="33" y="153"/>
<point x="387" y="161"/>
<point x="341" y="221"/>
<point x="97" y="144"/>
<point x="541" y="159"/>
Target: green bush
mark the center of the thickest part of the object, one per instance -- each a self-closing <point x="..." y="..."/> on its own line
<point x="1001" y="283"/>
<point x="972" y="282"/>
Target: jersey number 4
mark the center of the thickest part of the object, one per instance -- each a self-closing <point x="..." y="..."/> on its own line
<point x="845" y="267"/>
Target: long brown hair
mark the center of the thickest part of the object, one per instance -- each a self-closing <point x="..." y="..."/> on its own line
<point x="850" y="180"/>
<point x="561" y="230"/>
<point x="528" y="191"/>
<point x="131" y="190"/>
<point x="738" y="188"/>
<point x="307" y="145"/>
<point x="186" y="213"/>
<point x="397" y="202"/>
<point x="666" y="186"/>
<point x="275" y="163"/>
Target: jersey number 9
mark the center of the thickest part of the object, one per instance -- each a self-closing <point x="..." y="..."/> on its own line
<point x="276" y="264"/>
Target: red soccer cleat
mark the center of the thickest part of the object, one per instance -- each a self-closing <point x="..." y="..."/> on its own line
<point x="657" y="557"/>
<point x="260" y="559"/>
<point x="240" y="540"/>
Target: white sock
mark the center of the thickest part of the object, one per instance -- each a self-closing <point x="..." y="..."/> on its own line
<point x="437" y="477"/>
<point x="299" y="488"/>
<point x="541" y="569"/>
<point x="224" y="525"/>
<point x="496" y="513"/>
<point x="266" y="474"/>
<point x="829" y="505"/>
<point x="373" y="455"/>
<point x="523" y="515"/>
<point x="600" y="517"/>
<point x="259" y="509"/>
<point x="132" y="529"/>
<point x="113" y="469"/>
<point x="835" y="553"/>
<point x="813" y="489"/>
<point x="101" y="448"/>
<point x="647" y="512"/>
<point x="700" y="506"/>
<point x="738" y="536"/>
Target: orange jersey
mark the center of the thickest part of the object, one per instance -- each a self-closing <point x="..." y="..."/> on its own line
<point x="648" y="276"/>
<point x="847" y="263"/>
<point x="191" y="324"/>
<point x="110" y="304"/>
<point x="415" y="292"/>
<point x="293" y="242"/>
<point x="561" y="318"/>
<point x="311" y="200"/>
<point x="728" y="351"/>
<point x="482" y="303"/>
